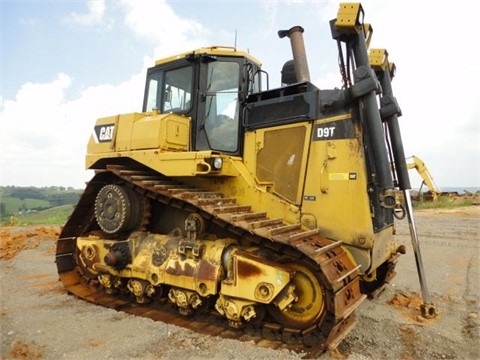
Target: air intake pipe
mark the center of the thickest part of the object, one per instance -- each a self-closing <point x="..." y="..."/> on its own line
<point x="298" y="49"/>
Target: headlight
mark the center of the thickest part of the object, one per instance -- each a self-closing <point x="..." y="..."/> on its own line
<point x="217" y="163"/>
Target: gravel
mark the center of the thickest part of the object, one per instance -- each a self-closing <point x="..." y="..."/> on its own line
<point x="38" y="320"/>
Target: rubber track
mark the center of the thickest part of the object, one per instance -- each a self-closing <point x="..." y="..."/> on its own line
<point x="341" y="276"/>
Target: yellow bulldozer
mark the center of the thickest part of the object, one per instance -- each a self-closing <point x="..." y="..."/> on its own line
<point x="224" y="205"/>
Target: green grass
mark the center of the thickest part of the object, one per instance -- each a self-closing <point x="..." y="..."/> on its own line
<point x="16" y="201"/>
<point x="444" y="202"/>
<point x="60" y="214"/>
<point x="12" y="205"/>
<point x="53" y="216"/>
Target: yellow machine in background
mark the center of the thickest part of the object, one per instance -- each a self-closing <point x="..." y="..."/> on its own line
<point x="272" y="209"/>
<point x="414" y="162"/>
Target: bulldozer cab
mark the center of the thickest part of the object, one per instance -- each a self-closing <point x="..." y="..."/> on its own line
<point x="210" y="88"/>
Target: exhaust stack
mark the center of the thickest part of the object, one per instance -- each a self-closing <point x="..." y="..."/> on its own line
<point x="298" y="49"/>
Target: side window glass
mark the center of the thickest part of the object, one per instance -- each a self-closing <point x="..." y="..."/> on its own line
<point x="254" y="78"/>
<point x="152" y="95"/>
<point x="221" y="121"/>
<point x="177" y="91"/>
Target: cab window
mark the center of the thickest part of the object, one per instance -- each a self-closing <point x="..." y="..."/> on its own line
<point x="177" y="90"/>
<point x="169" y="90"/>
<point x="152" y="97"/>
<point x="222" y="105"/>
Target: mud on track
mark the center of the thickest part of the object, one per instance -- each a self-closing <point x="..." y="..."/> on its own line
<point x="39" y="321"/>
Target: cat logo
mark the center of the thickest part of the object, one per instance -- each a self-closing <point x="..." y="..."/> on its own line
<point x="103" y="133"/>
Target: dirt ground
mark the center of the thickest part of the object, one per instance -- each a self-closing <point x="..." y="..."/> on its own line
<point x="38" y="320"/>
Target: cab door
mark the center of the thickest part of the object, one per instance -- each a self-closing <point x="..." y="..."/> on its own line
<point x="218" y="125"/>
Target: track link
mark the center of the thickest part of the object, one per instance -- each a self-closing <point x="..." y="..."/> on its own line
<point x="343" y="294"/>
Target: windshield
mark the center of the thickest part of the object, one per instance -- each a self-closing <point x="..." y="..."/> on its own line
<point x="221" y="120"/>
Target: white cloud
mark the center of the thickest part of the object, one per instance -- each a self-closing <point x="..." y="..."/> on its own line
<point x="270" y="20"/>
<point x="156" y="22"/>
<point x="33" y="133"/>
<point x="94" y="16"/>
<point x="44" y="135"/>
<point x="435" y="87"/>
<point x="435" y="84"/>
<point x="24" y="117"/>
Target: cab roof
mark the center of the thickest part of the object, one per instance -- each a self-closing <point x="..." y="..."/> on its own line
<point x="212" y="50"/>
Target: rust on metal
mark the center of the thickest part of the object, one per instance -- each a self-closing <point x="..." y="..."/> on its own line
<point x="206" y="270"/>
<point x="247" y="269"/>
<point x="343" y="296"/>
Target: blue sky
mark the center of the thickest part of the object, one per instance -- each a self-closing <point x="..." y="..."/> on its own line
<point x="66" y="63"/>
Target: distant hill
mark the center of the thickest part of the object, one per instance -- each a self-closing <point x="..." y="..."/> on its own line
<point x="15" y="200"/>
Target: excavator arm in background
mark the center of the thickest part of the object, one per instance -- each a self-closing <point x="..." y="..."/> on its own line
<point x="414" y="162"/>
